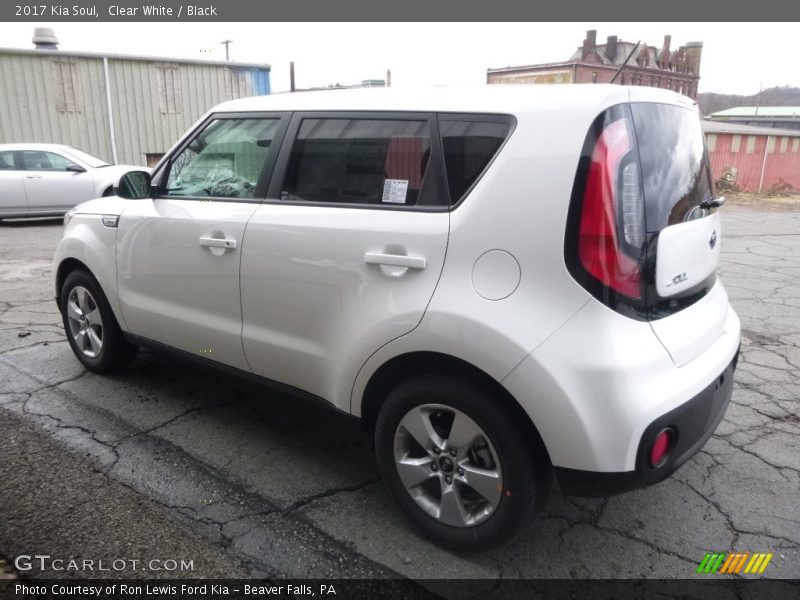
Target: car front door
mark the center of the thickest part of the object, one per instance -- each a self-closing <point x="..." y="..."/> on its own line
<point x="12" y="188"/>
<point x="345" y="253"/>
<point x="54" y="182"/>
<point x="178" y="255"/>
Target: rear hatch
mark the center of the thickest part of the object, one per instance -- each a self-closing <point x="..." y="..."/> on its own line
<point x="683" y="229"/>
<point x="643" y="234"/>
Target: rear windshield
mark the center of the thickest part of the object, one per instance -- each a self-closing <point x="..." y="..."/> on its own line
<point x="674" y="162"/>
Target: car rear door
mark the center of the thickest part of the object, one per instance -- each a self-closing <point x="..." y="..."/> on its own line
<point x="49" y="184"/>
<point x="345" y="253"/>
<point x="12" y="188"/>
<point x="178" y="255"/>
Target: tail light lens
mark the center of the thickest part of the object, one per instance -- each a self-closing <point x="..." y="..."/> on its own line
<point x="599" y="244"/>
<point x="604" y="250"/>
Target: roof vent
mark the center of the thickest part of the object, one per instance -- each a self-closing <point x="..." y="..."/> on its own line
<point x="45" y="39"/>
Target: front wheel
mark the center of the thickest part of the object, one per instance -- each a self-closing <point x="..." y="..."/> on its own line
<point x="457" y="464"/>
<point x="92" y="330"/>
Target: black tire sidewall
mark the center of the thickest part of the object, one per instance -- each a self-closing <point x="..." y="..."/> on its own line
<point x="522" y="490"/>
<point x="116" y="349"/>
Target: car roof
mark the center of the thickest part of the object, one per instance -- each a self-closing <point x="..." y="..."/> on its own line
<point x="501" y="99"/>
<point x="35" y="147"/>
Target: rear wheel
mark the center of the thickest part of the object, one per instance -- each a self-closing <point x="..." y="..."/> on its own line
<point x="92" y="330"/>
<point x="456" y="463"/>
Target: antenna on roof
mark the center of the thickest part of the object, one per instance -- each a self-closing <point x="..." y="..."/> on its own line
<point x="622" y="66"/>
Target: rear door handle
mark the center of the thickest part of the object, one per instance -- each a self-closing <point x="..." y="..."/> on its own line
<point x="33" y="176"/>
<point x="217" y="242"/>
<point x="395" y="260"/>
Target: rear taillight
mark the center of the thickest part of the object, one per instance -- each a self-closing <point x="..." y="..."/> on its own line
<point x="612" y="196"/>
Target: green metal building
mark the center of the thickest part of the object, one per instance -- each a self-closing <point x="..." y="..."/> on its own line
<point x="120" y="108"/>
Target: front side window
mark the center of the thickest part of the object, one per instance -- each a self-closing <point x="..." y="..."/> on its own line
<point x="358" y="161"/>
<point x="36" y="160"/>
<point x="225" y="160"/>
<point x="7" y="162"/>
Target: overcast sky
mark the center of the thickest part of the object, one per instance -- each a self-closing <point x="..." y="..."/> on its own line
<point x="737" y="57"/>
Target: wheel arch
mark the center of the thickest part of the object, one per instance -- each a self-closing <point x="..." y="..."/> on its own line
<point x="401" y="367"/>
<point x="65" y="267"/>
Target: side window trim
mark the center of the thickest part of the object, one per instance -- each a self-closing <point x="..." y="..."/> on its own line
<point x="164" y="167"/>
<point x="505" y="119"/>
<point x="435" y="166"/>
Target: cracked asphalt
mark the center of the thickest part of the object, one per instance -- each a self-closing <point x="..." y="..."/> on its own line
<point x="269" y="486"/>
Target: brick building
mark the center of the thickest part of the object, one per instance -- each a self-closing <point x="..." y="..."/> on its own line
<point x="677" y="70"/>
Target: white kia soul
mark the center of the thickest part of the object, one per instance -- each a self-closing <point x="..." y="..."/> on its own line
<point x="506" y="284"/>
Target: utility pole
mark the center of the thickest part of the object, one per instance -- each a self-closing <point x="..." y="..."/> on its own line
<point x="227" y="43"/>
<point x="291" y="76"/>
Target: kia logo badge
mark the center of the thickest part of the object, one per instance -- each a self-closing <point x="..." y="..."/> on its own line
<point x="712" y="241"/>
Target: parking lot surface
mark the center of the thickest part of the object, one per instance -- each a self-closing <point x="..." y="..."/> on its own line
<point x="288" y="488"/>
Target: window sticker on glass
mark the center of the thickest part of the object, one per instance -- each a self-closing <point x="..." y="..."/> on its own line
<point x="395" y="190"/>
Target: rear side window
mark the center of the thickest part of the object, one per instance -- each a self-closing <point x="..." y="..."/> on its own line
<point x="469" y="146"/>
<point x="674" y="164"/>
<point x="358" y="161"/>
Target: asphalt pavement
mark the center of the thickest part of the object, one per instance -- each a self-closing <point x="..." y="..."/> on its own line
<point x="168" y="456"/>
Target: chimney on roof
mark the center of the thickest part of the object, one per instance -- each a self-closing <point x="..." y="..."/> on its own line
<point x="694" y="51"/>
<point x="611" y="48"/>
<point x="664" y="58"/>
<point x="589" y="43"/>
<point x="44" y="39"/>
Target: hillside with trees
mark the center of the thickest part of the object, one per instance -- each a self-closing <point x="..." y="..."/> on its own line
<point x="711" y="102"/>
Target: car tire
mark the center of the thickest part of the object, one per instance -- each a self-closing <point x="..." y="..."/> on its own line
<point x="92" y="330"/>
<point x="438" y="436"/>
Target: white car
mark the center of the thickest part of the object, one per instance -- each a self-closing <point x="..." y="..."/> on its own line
<point x="505" y="283"/>
<point x="38" y="180"/>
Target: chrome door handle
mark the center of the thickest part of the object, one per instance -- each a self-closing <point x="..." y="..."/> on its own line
<point x="395" y="260"/>
<point x="217" y="242"/>
<point x="33" y="176"/>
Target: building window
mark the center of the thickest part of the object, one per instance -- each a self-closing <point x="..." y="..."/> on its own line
<point x="784" y="144"/>
<point x="795" y="145"/>
<point x="238" y="83"/>
<point x="594" y="76"/>
<point x="169" y="89"/>
<point x="152" y="158"/>
<point x="735" y="143"/>
<point x="770" y="144"/>
<point x="67" y="80"/>
<point x="751" y="144"/>
<point x="711" y="141"/>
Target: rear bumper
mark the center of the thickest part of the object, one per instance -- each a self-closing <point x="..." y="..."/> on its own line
<point x="694" y="421"/>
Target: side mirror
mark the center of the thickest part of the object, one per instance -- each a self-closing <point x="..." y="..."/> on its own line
<point x="76" y="169"/>
<point x="133" y="185"/>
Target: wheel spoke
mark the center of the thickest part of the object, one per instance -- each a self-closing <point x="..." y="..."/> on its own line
<point x="414" y="471"/>
<point x="418" y="424"/>
<point x="94" y="340"/>
<point x="462" y="433"/>
<point x="73" y="310"/>
<point x="484" y="481"/>
<point x="451" y="510"/>
<point x="94" y="317"/>
<point x="80" y="340"/>
<point x="81" y="293"/>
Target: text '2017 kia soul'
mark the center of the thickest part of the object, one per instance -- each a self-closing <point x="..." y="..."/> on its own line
<point x="505" y="284"/>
